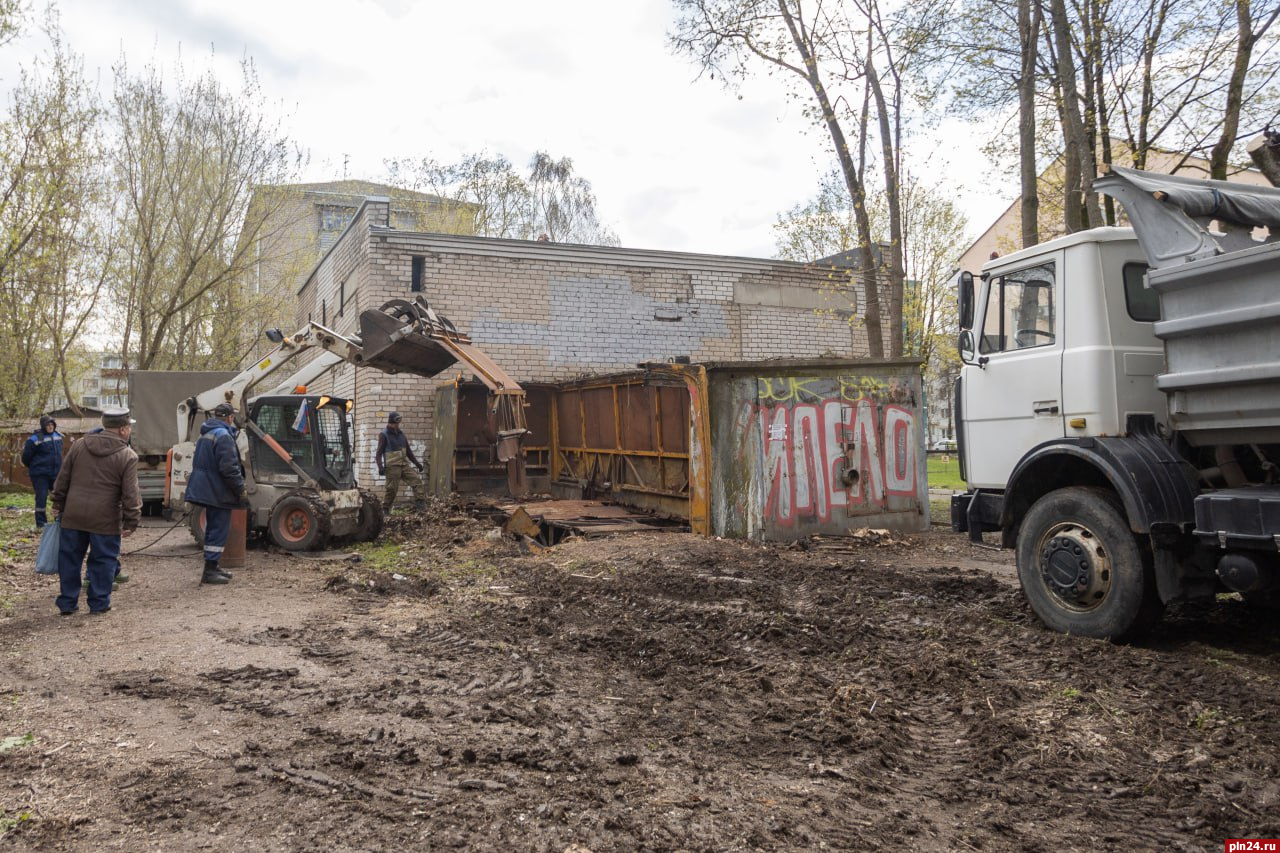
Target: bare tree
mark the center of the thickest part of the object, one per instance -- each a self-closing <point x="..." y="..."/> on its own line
<point x="1248" y="33"/>
<point x="189" y="157"/>
<point x="552" y="200"/>
<point x="850" y="61"/>
<point x="1156" y="75"/>
<point x="50" y="230"/>
<point x="933" y="236"/>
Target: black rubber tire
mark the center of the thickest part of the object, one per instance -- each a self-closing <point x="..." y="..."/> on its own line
<point x="195" y="520"/>
<point x="299" y="523"/>
<point x="1129" y="605"/>
<point x="371" y="518"/>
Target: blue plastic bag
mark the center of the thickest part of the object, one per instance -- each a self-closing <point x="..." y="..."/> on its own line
<point x="47" y="556"/>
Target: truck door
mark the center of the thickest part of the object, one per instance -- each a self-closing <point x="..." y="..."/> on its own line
<point x="1012" y="398"/>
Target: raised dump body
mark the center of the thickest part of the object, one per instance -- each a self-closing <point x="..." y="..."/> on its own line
<point x="1215" y="263"/>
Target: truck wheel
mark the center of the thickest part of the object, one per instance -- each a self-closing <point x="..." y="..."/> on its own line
<point x="195" y="518"/>
<point x="371" y="519"/>
<point x="299" y="524"/>
<point x="1081" y="568"/>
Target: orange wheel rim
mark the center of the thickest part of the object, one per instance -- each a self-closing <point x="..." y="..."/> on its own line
<point x="295" y="525"/>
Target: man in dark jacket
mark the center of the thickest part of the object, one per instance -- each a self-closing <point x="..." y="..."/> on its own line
<point x="394" y="456"/>
<point x="97" y="500"/>
<point x="217" y="486"/>
<point x="42" y="454"/>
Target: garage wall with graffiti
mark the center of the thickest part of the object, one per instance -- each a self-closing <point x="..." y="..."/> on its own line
<point x="807" y="447"/>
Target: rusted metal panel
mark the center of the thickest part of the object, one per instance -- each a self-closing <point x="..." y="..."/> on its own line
<point x="816" y="447"/>
<point x="443" y="440"/>
<point x="471" y="457"/>
<point x="608" y="439"/>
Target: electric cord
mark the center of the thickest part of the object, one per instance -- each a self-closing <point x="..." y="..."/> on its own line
<point x="173" y="527"/>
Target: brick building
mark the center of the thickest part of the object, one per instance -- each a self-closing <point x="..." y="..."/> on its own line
<point x="551" y="312"/>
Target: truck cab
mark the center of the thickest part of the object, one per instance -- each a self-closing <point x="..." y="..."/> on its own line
<point x="1061" y="345"/>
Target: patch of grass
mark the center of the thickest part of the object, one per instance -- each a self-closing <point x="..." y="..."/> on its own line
<point x="8" y="824"/>
<point x="1207" y="718"/>
<point x="18" y="534"/>
<point x="380" y="556"/>
<point x="1070" y="693"/>
<point x="13" y="742"/>
<point x="944" y="472"/>
<point x="940" y="511"/>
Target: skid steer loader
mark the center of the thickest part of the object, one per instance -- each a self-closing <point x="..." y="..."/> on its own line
<point x="296" y="448"/>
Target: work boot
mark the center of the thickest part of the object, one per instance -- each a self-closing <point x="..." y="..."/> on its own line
<point x="212" y="574"/>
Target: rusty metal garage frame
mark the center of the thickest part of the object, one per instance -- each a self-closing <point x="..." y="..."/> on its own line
<point x="620" y="436"/>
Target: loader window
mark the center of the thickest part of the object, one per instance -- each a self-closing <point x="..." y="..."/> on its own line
<point x="1020" y="311"/>
<point x="331" y="421"/>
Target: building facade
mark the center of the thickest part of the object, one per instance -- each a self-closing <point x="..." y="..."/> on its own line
<point x="548" y="312"/>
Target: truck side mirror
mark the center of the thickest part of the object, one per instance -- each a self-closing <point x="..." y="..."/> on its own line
<point x="968" y="351"/>
<point x="966" y="301"/>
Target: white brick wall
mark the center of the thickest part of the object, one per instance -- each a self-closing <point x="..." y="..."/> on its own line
<point x="549" y="312"/>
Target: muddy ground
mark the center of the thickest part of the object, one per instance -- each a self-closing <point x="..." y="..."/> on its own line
<point x="647" y="692"/>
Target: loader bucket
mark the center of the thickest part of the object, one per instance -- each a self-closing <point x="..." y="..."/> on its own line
<point x="398" y="345"/>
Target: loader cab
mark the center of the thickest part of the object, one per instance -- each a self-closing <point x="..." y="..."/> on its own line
<point x="313" y="429"/>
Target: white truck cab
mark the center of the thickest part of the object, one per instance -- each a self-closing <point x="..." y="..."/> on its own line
<point x="1064" y="347"/>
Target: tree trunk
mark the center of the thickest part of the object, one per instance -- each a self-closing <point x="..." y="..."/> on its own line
<point x="1074" y="216"/>
<point x="1029" y="20"/>
<point x="857" y="192"/>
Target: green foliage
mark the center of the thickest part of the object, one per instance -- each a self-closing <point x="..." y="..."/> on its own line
<point x="381" y="556"/>
<point x="8" y="824"/>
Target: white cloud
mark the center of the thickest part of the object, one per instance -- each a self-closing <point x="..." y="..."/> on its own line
<point x="677" y="163"/>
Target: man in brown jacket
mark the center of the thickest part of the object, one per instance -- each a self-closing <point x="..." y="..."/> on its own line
<point x="97" y="500"/>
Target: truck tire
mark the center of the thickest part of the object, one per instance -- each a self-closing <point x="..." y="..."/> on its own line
<point x="371" y="518"/>
<point x="1081" y="568"/>
<point x="299" y="523"/>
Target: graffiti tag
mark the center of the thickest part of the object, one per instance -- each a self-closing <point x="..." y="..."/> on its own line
<point x="833" y="454"/>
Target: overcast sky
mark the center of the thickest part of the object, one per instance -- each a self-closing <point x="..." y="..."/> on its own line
<point x="677" y="163"/>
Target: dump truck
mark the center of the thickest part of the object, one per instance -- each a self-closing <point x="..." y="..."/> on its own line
<point x="296" y="447"/>
<point x="1119" y="406"/>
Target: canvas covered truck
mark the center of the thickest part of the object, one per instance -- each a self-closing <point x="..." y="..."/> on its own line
<point x="1119" y="406"/>
<point x="296" y="447"/>
<point x="153" y="397"/>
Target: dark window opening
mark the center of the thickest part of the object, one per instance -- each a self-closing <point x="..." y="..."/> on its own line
<point x="1143" y="302"/>
<point x="324" y="313"/>
<point x="342" y="297"/>
<point x="415" y="278"/>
